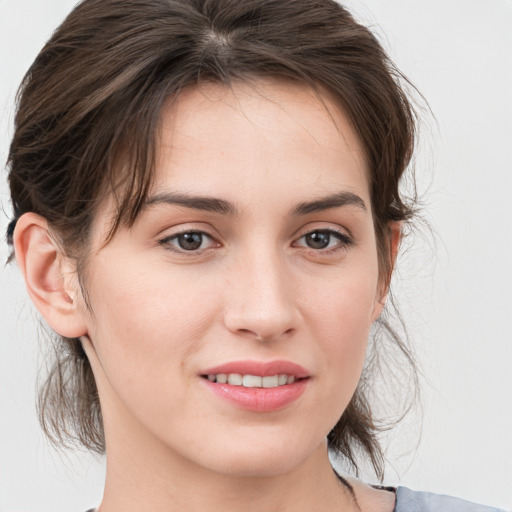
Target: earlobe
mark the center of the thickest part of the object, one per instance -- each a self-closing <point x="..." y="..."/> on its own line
<point x="49" y="276"/>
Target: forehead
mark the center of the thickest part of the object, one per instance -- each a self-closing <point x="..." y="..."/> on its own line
<point x="273" y="130"/>
<point x="276" y="141"/>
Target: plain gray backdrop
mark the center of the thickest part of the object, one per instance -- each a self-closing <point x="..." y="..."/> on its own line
<point x="454" y="288"/>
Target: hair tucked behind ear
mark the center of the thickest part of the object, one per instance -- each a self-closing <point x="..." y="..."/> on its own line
<point x="86" y="124"/>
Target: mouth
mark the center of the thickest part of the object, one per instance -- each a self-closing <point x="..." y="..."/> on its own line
<point x="257" y="386"/>
<point x="252" y="381"/>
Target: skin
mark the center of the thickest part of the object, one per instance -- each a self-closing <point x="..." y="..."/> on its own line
<point x="255" y="289"/>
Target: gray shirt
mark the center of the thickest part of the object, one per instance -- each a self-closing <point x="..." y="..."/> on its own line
<point x="413" y="501"/>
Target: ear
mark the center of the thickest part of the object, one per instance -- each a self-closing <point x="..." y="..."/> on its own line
<point x="392" y="246"/>
<point x="49" y="275"/>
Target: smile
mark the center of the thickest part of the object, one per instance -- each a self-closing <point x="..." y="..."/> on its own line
<point x="257" y="386"/>
<point x="252" y="381"/>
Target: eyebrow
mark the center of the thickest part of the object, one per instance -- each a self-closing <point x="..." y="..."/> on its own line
<point x="203" y="203"/>
<point x="328" y="202"/>
<point x="221" y="206"/>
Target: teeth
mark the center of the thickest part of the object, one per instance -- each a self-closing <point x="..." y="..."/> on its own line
<point x="270" y="382"/>
<point x="235" y="379"/>
<point x="252" y="381"/>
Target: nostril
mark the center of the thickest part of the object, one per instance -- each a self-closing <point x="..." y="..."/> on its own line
<point x="261" y="336"/>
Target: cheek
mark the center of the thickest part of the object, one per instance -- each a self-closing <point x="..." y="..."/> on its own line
<point x="147" y="321"/>
<point x="348" y="321"/>
<point x="341" y="314"/>
<point x="340" y="317"/>
<point x="346" y="300"/>
<point x="145" y="331"/>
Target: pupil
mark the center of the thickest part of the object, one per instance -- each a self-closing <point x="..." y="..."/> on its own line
<point x="190" y="241"/>
<point x="318" y="240"/>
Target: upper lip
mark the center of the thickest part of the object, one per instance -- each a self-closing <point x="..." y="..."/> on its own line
<point x="260" y="368"/>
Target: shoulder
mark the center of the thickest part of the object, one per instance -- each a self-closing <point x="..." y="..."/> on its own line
<point x="414" y="501"/>
<point x="402" y="499"/>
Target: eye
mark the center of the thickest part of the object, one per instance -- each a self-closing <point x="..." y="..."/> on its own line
<point x="322" y="239"/>
<point x="188" y="241"/>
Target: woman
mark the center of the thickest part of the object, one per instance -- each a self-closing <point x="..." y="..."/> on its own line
<point x="207" y="213"/>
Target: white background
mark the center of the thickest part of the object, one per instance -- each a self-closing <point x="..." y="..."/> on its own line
<point x="454" y="287"/>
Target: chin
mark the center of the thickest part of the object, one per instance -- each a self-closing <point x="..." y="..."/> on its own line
<point x="257" y="467"/>
<point x="262" y="458"/>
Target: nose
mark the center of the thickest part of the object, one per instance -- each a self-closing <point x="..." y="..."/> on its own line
<point x="261" y="299"/>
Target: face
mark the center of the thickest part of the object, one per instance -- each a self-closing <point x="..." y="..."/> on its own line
<point x="253" y="263"/>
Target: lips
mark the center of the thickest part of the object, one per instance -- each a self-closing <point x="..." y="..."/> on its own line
<point x="257" y="386"/>
<point x="263" y="369"/>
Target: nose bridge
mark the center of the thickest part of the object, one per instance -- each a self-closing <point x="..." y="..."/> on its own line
<point x="261" y="299"/>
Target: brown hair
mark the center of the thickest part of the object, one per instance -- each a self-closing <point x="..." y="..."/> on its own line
<point x="93" y="98"/>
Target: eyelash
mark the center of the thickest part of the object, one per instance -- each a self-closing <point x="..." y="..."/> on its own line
<point x="344" y="241"/>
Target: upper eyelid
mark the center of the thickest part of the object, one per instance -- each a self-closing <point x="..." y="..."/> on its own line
<point x="342" y="232"/>
<point x="172" y="236"/>
<point x="188" y="227"/>
<point x="343" y="237"/>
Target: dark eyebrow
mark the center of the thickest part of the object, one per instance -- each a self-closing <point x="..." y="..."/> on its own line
<point x="328" y="202"/>
<point x="204" y="203"/>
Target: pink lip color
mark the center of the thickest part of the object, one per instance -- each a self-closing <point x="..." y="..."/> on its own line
<point x="259" y="399"/>
<point x="263" y="369"/>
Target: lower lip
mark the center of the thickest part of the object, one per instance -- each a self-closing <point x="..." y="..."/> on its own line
<point x="259" y="399"/>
